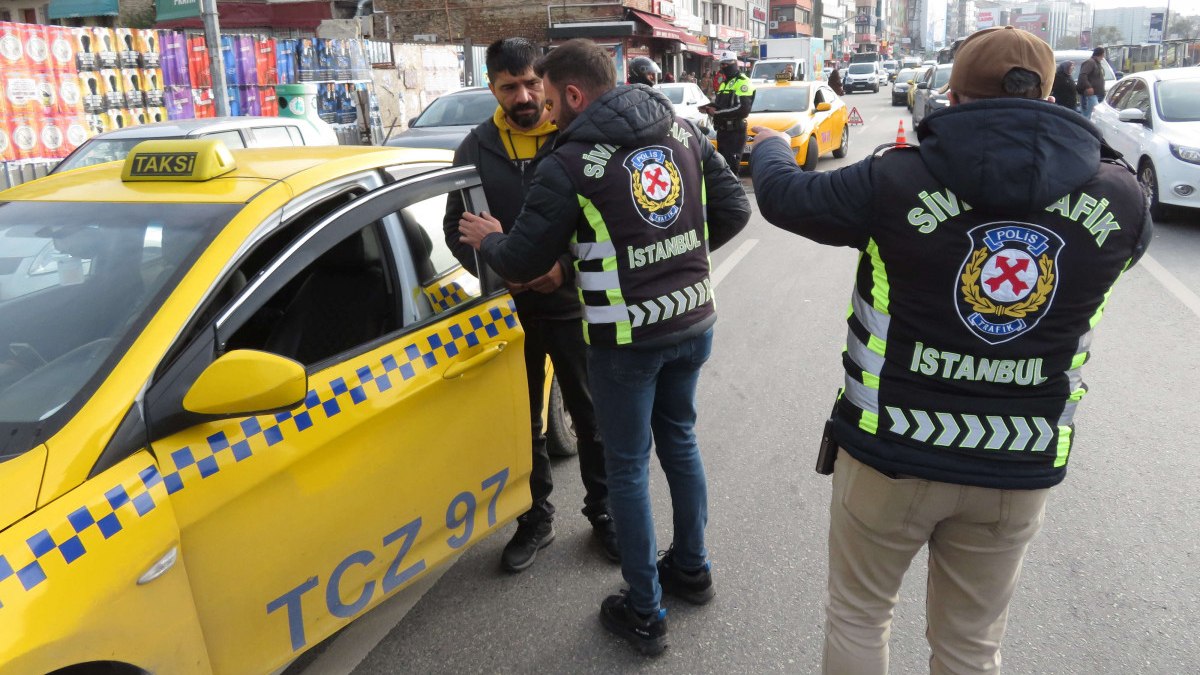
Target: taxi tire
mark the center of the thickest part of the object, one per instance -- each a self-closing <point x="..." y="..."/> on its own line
<point x="844" y="148"/>
<point x="560" y="430"/>
<point x="810" y="160"/>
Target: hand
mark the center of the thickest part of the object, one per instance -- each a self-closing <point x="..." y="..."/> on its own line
<point x="707" y="109"/>
<point x="763" y="133"/>
<point x="472" y="229"/>
<point x="515" y="288"/>
<point x="550" y="281"/>
<point x="1089" y="92"/>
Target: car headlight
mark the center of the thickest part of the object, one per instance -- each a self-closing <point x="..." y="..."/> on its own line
<point x="795" y="130"/>
<point x="1186" y="153"/>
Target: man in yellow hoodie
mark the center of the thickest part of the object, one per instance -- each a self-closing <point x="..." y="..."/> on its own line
<point x="506" y="149"/>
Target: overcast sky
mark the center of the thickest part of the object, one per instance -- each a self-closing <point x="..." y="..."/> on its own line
<point x="1184" y="7"/>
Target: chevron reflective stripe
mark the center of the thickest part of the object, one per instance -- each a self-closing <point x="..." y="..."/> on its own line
<point x="961" y="430"/>
<point x="598" y="250"/>
<point x="597" y="281"/>
<point x="670" y="305"/>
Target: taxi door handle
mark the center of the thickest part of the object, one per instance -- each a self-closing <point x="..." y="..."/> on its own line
<point x="488" y="353"/>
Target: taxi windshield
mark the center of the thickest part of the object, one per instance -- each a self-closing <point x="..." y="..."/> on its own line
<point x="780" y="99"/>
<point x="78" y="280"/>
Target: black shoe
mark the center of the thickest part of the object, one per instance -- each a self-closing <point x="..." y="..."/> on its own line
<point x="694" y="586"/>
<point x="647" y="633"/>
<point x="605" y="531"/>
<point x="531" y="537"/>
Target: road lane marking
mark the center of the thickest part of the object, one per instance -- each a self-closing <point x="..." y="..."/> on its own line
<point x="1172" y="284"/>
<point x="734" y="258"/>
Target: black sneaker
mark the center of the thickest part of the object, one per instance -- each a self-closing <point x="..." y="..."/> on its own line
<point x="647" y="633"/>
<point x="531" y="537"/>
<point x="605" y="532"/>
<point x="694" y="586"/>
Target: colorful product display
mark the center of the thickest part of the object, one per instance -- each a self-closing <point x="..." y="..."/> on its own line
<point x="61" y="85"/>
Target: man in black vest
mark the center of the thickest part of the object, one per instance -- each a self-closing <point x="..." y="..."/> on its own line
<point x="507" y="149"/>
<point x="989" y="252"/>
<point x="730" y="108"/>
<point x="624" y="191"/>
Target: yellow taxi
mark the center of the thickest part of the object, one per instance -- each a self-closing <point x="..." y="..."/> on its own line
<point x="810" y="113"/>
<point x="246" y="397"/>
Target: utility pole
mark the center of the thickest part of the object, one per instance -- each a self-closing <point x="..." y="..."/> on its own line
<point x="216" y="62"/>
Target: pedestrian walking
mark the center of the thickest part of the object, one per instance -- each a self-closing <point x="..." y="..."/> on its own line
<point x="625" y="191"/>
<point x="835" y="82"/>
<point x="1064" y="90"/>
<point x="729" y="111"/>
<point x="507" y="150"/>
<point x="986" y="264"/>
<point x="1091" y="82"/>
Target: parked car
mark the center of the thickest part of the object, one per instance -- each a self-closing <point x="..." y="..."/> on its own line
<point x="912" y="89"/>
<point x="905" y="80"/>
<point x="1153" y="119"/>
<point x="447" y="121"/>
<point x="815" y="119"/>
<point x="891" y="68"/>
<point x="239" y="424"/>
<point x="234" y="132"/>
<point x="687" y="99"/>
<point x="863" y="77"/>
<point x="929" y="96"/>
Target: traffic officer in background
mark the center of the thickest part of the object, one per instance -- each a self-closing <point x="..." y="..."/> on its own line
<point x="625" y="191"/>
<point x="643" y="70"/>
<point x="730" y="109"/>
<point x="987" y="262"/>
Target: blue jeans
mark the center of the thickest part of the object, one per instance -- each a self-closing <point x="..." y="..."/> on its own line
<point x="640" y="395"/>
<point x="1087" y="103"/>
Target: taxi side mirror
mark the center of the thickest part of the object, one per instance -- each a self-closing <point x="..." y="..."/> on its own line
<point x="823" y="106"/>
<point x="246" y="381"/>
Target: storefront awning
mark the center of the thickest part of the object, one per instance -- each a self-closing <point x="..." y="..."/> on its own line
<point x="658" y="27"/>
<point x="693" y="45"/>
<point x="72" y="9"/>
<point x="300" y="15"/>
<point x="592" y="29"/>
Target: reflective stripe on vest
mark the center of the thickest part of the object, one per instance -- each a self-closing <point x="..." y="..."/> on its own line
<point x="606" y="281"/>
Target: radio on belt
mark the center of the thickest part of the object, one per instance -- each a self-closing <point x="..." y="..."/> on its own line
<point x="177" y="160"/>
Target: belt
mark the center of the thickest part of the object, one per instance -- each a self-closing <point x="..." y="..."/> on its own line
<point x="730" y="124"/>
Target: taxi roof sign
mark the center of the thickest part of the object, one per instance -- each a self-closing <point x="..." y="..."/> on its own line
<point x="177" y="160"/>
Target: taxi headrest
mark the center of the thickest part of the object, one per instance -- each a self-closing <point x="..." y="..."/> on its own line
<point x="177" y="160"/>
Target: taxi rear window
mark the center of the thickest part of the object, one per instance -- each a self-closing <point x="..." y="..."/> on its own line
<point x="86" y="278"/>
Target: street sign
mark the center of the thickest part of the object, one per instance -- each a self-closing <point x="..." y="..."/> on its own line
<point x="855" y="118"/>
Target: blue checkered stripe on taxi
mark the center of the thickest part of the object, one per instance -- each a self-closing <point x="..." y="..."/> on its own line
<point x="444" y="296"/>
<point x="95" y="523"/>
<point x="86" y="526"/>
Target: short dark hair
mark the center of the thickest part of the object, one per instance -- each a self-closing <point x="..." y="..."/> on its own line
<point x="1021" y="83"/>
<point x="513" y="55"/>
<point x="579" y="62"/>
<point x="1098" y="51"/>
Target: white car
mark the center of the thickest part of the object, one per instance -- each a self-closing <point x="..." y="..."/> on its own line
<point x="1153" y="119"/>
<point x="234" y="132"/>
<point x="687" y="99"/>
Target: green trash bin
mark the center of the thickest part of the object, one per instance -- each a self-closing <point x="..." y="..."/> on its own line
<point x="299" y="101"/>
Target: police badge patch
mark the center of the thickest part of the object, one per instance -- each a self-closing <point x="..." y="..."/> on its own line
<point x="656" y="187"/>
<point x="1008" y="279"/>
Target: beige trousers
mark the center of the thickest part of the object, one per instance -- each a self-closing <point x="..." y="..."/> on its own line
<point x="977" y="538"/>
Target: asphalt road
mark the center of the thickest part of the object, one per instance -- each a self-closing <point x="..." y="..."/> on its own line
<point x="1112" y="585"/>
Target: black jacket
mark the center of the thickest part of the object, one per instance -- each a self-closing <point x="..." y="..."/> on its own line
<point x="504" y="184"/>
<point x="587" y="155"/>
<point x="988" y="254"/>
<point x="1065" y="93"/>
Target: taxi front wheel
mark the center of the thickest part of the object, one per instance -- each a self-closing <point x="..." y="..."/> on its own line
<point x="560" y="430"/>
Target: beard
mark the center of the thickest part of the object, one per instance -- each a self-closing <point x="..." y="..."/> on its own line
<point x="564" y="118"/>
<point x="525" y="115"/>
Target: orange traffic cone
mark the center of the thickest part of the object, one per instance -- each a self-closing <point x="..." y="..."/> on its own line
<point x="901" y="141"/>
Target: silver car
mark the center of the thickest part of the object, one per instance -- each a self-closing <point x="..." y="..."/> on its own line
<point x="235" y="132"/>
